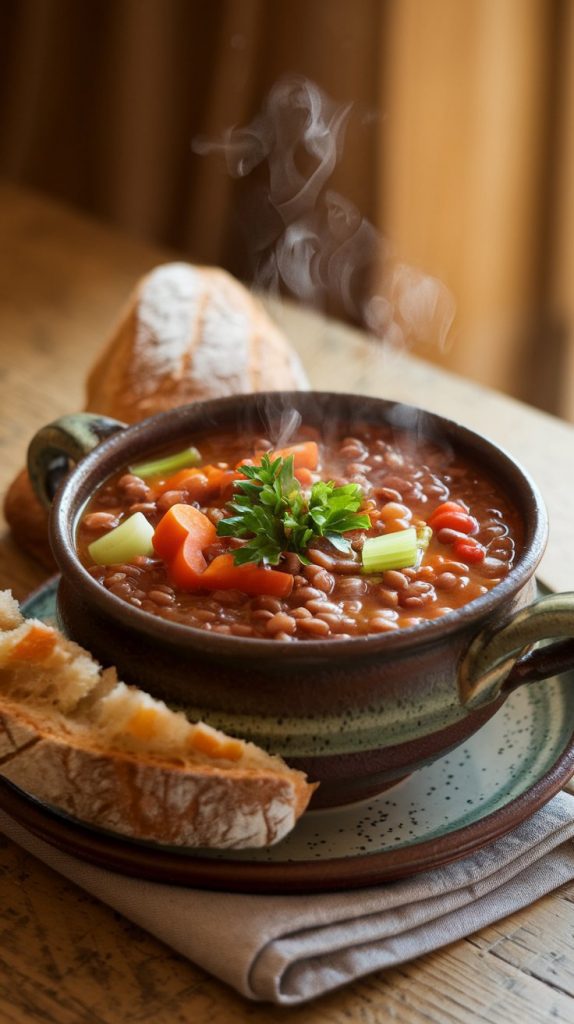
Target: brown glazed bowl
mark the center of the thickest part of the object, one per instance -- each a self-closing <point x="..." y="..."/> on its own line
<point x="355" y="714"/>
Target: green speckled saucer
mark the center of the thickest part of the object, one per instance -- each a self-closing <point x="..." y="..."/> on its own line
<point x="478" y="792"/>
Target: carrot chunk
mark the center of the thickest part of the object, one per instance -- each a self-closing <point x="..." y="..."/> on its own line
<point x="305" y="456"/>
<point x="180" y="522"/>
<point x="223" y="574"/>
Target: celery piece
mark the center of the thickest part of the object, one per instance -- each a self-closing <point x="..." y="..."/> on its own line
<point x="170" y="464"/>
<point x="132" y="537"/>
<point x="390" y="551"/>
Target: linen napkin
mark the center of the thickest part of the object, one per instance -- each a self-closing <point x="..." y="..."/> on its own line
<point x="289" y="949"/>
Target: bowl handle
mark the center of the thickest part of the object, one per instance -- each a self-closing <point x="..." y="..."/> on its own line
<point x="66" y="439"/>
<point x="498" y="660"/>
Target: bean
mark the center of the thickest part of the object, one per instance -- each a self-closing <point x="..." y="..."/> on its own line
<point x="492" y="566"/>
<point x="351" y="607"/>
<point x="357" y="468"/>
<point x="321" y="558"/>
<point x="398" y="484"/>
<point x="346" y="566"/>
<point x="204" y="615"/>
<point x="386" y="613"/>
<point x="446" y="581"/>
<point x="282" y="636"/>
<point x="492" y="530"/>
<point x="353" y="449"/>
<point x="120" y="590"/>
<point x="379" y="625"/>
<point x="100" y="521"/>
<point x="241" y="629"/>
<point x="503" y="549"/>
<point x="280" y="623"/>
<point x="170" y="498"/>
<point x="215" y="515"/>
<point x="305" y="594"/>
<point x="426" y="572"/>
<point x="299" y="581"/>
<point x="261" y="615"/>
<point x="448" y="536"/>
<point x="320" y="578"/>
<point x="137" y="492"/>
<point x="388" y="597"/>
<point x="115" y="577"/>
<point x="387" y="493"/>
<point x="148" y="508"/>
<point x="291" y="563"/>
<point x="270" y="603"/>
<point x="328" y="617"/>
<point x="420" y="587"/>
<point x="394" y="579"/>
<point x="410" y="620"/>
<point x="339" y="625"/>
<point x="226" y="630"/>
<point x="323" y="605"/>
<point x="314" y="627"/>
<point x="414" y="601"/>
<point x="142" y="561"/>
<point x="394" y="510"/>
<point x="262" y="444"/>
<point x="352" y="585"/>
<point x="301" y="613"/>
<point x="160" y="597"/>
<point x="458" y="568"/>
<point x="166" y="589"/>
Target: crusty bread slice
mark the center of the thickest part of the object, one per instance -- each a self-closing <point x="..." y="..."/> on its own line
<point x="189" y="333"/>
<point x="111" y="755"/>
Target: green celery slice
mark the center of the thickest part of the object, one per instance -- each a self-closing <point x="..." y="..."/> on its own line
<point x="390" y="551"/>
<point x="170" y="464"/>
<point x="131" y="538"/>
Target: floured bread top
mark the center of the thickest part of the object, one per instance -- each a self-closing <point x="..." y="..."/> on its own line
<point x="189" y="333"/>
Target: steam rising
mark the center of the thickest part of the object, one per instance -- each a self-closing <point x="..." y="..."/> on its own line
<point x="309" y="239"/>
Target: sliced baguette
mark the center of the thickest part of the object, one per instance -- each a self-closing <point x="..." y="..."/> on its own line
<point x="110" y="755"/>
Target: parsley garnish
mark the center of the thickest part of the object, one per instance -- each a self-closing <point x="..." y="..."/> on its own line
<point x="270" y="508"/>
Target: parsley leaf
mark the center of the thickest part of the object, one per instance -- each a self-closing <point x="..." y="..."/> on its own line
<point x="272" y="511"/>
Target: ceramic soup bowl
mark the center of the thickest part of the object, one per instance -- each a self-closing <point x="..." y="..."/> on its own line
<point x="356" y="713"/>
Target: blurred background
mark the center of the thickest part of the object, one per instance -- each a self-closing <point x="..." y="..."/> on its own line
<point x="358" y="154"/>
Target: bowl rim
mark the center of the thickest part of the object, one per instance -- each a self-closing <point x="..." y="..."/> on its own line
<point x="66" y="511"/>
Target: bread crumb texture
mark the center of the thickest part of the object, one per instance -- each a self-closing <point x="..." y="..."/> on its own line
<point x="111" y="755"/>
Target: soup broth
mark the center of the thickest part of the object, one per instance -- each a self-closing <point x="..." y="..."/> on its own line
<point x="402" y="483"/>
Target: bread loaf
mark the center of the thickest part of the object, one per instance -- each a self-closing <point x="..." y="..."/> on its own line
<point x="187" y="333"/>
<point x="110" y="755"/>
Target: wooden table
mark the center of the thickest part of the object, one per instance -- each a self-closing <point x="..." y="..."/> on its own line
<point x="64" y="957"/>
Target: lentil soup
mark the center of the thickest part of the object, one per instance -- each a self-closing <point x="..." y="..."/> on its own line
<point x="321" y="590"/>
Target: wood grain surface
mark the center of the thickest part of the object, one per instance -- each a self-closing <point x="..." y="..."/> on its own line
<point x="67" y="959"/>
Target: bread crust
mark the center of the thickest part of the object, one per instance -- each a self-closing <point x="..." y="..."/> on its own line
<point x="110" y="755"/>
<point x="148" y="799"/>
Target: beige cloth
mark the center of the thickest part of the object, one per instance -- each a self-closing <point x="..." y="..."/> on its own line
<point x="289" y="949"/>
